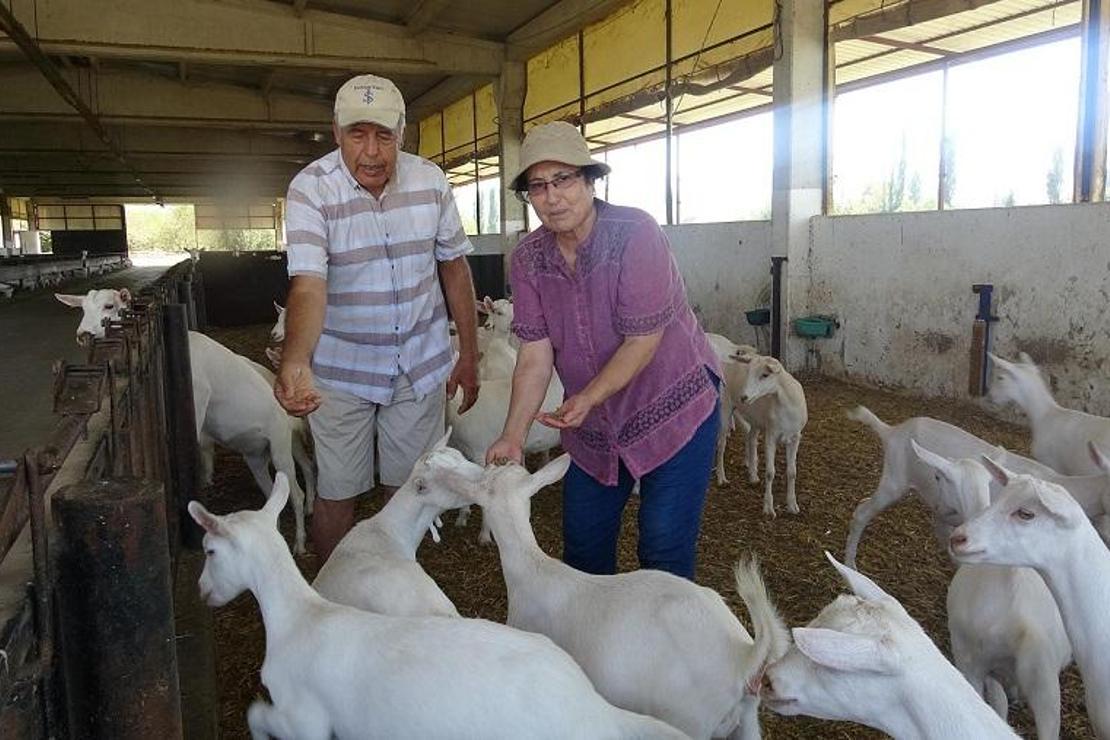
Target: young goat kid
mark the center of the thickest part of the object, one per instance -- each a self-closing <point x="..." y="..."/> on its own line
<point x="337" y="671"/>
<point x="773" y="403"/>
<point x="1007" y="634"/>
<point x="1060" y="435"/>
<point x="865" y="659"/>
<point x="903" y="473"/>
<point x="374" y="566"/>
<point x="651" y="642"/>
<point x="1036" y="524"/>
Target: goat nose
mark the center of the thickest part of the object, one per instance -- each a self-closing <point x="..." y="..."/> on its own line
<point x="957" y="540"/>
<point x="83" y="337"/>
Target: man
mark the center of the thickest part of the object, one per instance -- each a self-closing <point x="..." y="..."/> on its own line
<point x="366" y="352"/>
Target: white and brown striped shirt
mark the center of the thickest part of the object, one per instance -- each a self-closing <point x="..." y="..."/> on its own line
<point x="385" y="315"/>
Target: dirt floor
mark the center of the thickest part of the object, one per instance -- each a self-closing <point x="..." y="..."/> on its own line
<point x="838" y="464"/>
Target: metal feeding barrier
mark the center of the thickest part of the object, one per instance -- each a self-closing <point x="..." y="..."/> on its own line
<point x="90" y="650"/>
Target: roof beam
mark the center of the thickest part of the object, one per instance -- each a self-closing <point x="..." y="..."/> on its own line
<point x="443" y="94"/>
<point x="893" y="17"/>
<point x="562" y="19"/>
<point x="19" y="36"/>
<point x="248" y="32"/>
<point x="133" y="96"/>
<point x="299" y="6"/>
<point x="424" y="14"/>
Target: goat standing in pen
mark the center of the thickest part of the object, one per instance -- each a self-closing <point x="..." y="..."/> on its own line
<point x="336" y="671"/>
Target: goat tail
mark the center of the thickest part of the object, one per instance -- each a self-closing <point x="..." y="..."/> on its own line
<point x="864" y="415"/>
<point x="772" y="639"/>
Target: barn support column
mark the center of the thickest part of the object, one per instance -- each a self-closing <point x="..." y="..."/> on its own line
<point x="800" y="107"/>
<point x="510" y="88"/>
<point x="1090" y="150"/>
<point x="7" y="237"/>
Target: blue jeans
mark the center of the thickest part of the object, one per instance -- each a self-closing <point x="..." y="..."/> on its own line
<point x="671" y="500"/>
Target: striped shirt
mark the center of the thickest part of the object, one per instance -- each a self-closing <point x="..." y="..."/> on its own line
<point x="385" y="314"/>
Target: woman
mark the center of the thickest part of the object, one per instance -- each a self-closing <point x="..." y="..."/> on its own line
<point x="597" y="295"/>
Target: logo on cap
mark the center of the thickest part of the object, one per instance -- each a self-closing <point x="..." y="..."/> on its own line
<point x="368" y="95"/>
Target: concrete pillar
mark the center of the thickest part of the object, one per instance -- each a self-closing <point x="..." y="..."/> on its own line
<point x="800" y="112"/>
<point x="1090" y="150"/>
<point x="511" y="87"/>
<point x="7" y="237"/>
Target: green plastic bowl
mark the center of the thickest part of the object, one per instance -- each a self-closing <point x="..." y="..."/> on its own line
<point x="814" y="327"/>
<point x="758" y="316"/>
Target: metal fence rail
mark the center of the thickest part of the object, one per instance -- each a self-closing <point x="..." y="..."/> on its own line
<point x="33" y="271"/>
<point x="119" y="421"/>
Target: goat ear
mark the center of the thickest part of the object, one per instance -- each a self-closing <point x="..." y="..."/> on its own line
<point x="846" y="652"/>
<point x="442" y="441"/>
<point x="1098" y="457"/>
<point x="1004" y="365"/>
<point x="1025" y="359"/>
<point x="744" y="359"/>
<point x="488" y="303"/>
<point x="553" y="471"/>
<point x="125" y="295"/>
<point x="274" y="356"/>
<point x="70" y="300"/>
<point x="206" y="519"/>
<point x="999" y="473"/>
<point x="1055" y="501"/>
<point x="861" y="585"/>
<point x="279" y="496"/>
<point x="941" y="464"/>
<point x="278" y="307"/>
<point x="481" y="307"/>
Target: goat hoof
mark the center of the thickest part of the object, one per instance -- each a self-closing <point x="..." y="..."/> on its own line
<point x="769" y="511"/>
<point x="793" y="509"/>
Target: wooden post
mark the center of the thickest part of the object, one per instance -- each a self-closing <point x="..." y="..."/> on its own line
<point x="115" y="611"/>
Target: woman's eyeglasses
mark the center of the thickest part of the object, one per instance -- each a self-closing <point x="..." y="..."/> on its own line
<point x="560" y="181"/>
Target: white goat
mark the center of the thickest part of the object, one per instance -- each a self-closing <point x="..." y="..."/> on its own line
<point x="374" y="566"/>
<point x="735" y="374"/>
<point x="1060" y="435"/>
<point x="277" y="333"/>
<point x="774" y="405"/>
<point x="650" y="641"/>
<point x="301" y="441"/>
<point x="235" y="407"/>
<point x="1006" y="630"/>
<point x="336" y="671"/>
<point x="97" y="306"/>
<point x="483" y="423"/>
<point x="865" y="659"/>
<point x="1036" y="524"/>
<point x="903" y="473"/>
<point x="232" y="407"/>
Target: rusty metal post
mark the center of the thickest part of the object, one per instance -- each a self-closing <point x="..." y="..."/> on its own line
<point x="115" y="611"/>
<point x="185" y="295"/>
<point x="181" y="437"/>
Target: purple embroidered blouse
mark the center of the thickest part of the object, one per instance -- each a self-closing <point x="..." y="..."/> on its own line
<point x="626" y="282"/>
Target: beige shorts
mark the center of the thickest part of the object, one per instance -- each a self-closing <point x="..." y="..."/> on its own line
<point x="344" y="428"/>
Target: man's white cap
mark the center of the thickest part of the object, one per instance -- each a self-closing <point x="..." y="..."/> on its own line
<point x="370" y="99"/>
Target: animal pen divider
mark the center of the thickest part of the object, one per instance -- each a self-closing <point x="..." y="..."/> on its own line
<point x="90" y="651"/>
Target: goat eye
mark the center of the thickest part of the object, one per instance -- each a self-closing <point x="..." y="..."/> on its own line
<point x="1024" y="514"/>
<point x="210" y="552"/>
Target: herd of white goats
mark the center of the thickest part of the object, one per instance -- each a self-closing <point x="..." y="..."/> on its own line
<point x="375" y="649"/>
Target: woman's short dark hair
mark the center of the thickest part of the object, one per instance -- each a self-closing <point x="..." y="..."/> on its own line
<point x="592" y="173"/>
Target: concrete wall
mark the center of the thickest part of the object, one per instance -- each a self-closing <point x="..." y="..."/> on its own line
<point x="725" y="266"/>
<point x="900" y="285"/>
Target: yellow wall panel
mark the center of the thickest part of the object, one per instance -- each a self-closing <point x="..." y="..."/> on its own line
<point x="487" y="111"/>
<point x="694" y="22"/>
<point x="431" y="136"/>
<point x="626" y="44"/>
<point x="458" y="123"/>
<point x="552" y="78"/>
